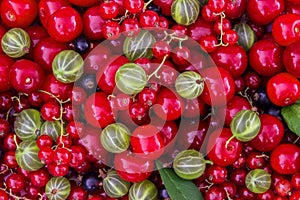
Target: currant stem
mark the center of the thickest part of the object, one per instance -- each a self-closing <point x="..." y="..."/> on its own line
<point x="15" y="140"/>
<point x="222" y="16"/>
<point x="208" y="162"/>
<point x="146" y="4"/>
<point x="157" y="69"/>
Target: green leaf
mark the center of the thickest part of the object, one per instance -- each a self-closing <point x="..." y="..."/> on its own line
<point x="291" y="115"/>
<point x="178" y="188"/>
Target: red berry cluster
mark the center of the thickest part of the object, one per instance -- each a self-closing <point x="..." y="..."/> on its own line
<point x="230" y="56"/>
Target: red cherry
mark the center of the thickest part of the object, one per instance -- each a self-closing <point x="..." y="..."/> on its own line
<point x="18" y="13"/>
<point x="283" y="89"/>
<point x="285" y="29"/>
<point x="265" y="57"/>
<point x="26" y="76"/>
<point x="146" y="142"/>
<point x="92" y="23"/>
<point x="5" y="64"/>
<point x="216" y="174"/>
<point x="285" y="159"/>
<point x="264" y="12"/>
<point x="65" y="24"/>
<point x="78" y="193"/>
<point x="168" y="105"/>
<point x="219" y="86"/>
<point x="15" y="182"/>
<point x="132" y="168"/>
<point x="270" y="134"/>
<point x="217" y="143"/>
<point x="47" y="7"/>
<point x="234" y="9"/>
<point x="291" y="56"/>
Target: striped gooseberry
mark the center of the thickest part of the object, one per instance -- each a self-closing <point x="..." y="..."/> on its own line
<point x="189" y="85"/>
<point x="245" y="125"/>
<point x="114" y="186"/>
<point x="145" y="190"/>
<point x="27" y="124"/>
<point x="185" y="12"/>
<point x="258" y="181"/>
<point x="67" y="66"/>
<point x="15" y="43"/>
<point x="189" y="164"/>
<point x="131" y="78"/>
<point x="27" y="155"/>
<point x="115" y="138"/>
<point x="58" y="188"/>
<point x="139" y="46"/>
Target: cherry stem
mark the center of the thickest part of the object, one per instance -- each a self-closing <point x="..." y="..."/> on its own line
<point x="296" y="140"/>
<point x="222" y="16"/>
<point x="209" y="162"/>
<point x="229" y="140"/>
<point x="157" y="69"/>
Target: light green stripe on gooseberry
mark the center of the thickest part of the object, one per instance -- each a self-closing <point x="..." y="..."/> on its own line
<point x="185" y="12"/>
<point x="144" y="190"/>
<point x="258" y="181"/>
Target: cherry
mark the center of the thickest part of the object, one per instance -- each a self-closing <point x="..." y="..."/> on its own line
<point x="4" y="128"/>
<point x="200" y="29"/>
<point x="229" y="188"/>
<point x="252" y="80"/>
<point x="270" y="134"/>
<point x="255" y="160"/>
<point x="18" y="13"/>
<point x="214" y="78"/>
<point x="233" y="58"/>
<point x="131" y="167"/>
<point x="283" y="89"/>
<point x="265" y="57"/>
<point x="291" y="55"/>
<point x="139" y="113"/>
<point x="39" y="178"/>
<point x="65" y="24"/>
<point x="264" y="12"/>
<point x="295" y="195"/>
<point x="15" y="182"/>
<point x="246" y="194"/>
<point x="208" y="14"/>
<point x="146" y="142"/>
<point x="181" y="55"/>
<point x="209" y="43"/>
<point x="26" y="76"/>
<point x="235" y="9"/>
<point x="168" y="105"/>
<point x="97" y="110"/>
<point x="285" y="29"/>
<point x="295" y="181"/>
<point x="217" y="143"/>
<point x="268" y="195"/>
<point x="92" y="23"/>
<point x="5" y="65"/>
<point x="9" y="141"/>
<point x="285" y="159"/>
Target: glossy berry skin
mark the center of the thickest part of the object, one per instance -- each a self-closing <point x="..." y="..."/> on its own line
<point x="216" y="174"/>
<point x="283" y="89"/>
<point x="132" y="168"/>
<point x="46" y="8"/>
<point x="219" y="86"/>
<point x="26" y="76"/>
<point x="46" y="50"/>
<point x="18" y="13"/>
<point x="236" y="104"/>
<point x="265" y="57"/>
<point x="5" y="65"/>
<point x="291" y="56"/>
<point x="15" y="182"/>
<point x="217" y="143"/>
<point x="97" y="110"/>
<point x="232" y="58"/>
<point x="270" y="134"/>
<point x="285" y="159"/>
<point x="39" y="178"/>
<point x="285" y="29"/>
<point x="295" y="181"/>
<point x="93" y="22"/>
<point x="235" y="9"/>
<point x="83" y="3"/>
<point x="169" y="105"/>
<point x="146" y="142"/>
<point x="264" y="12"/>
<point x="111" y="30"/>
<point x="134" y="6"/>
<point x="50" y="111"/>
<point x="148" y="19"/>
<point x="109" y="10"/>
<point x="65" y="24"/>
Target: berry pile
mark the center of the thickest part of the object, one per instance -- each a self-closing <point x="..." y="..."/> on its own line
<point x="145" y="100"/>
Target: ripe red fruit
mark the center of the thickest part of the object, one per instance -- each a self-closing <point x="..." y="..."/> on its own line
<point x="65" y="24"/>
<point x="291" y="57"/>
<point x="283" y="89"/>
<point x="285" y="159"/>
